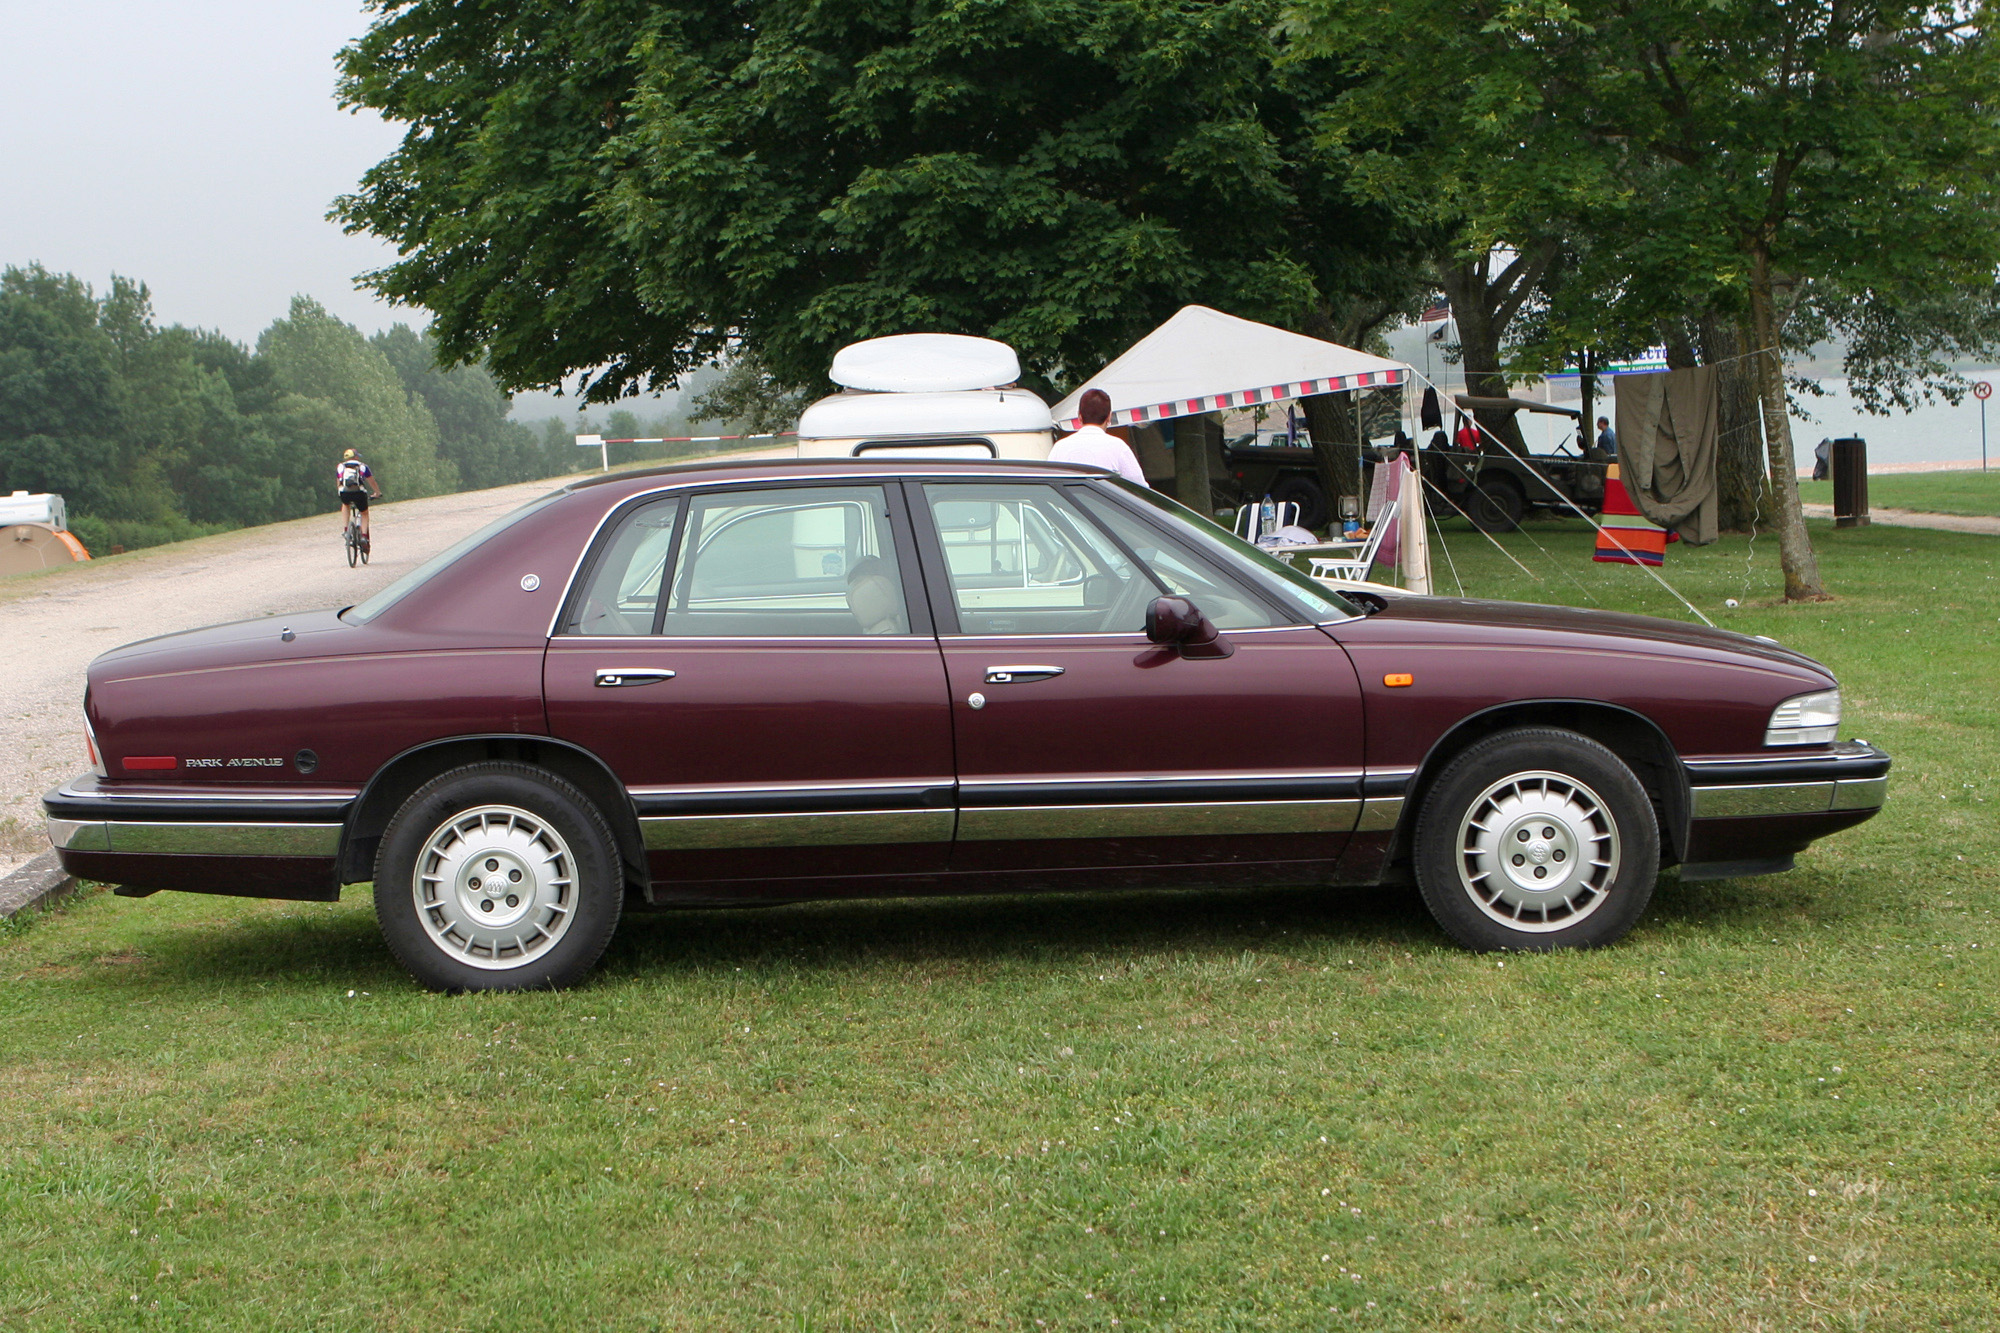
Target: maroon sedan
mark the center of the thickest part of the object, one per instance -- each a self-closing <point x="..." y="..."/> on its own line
<point x="739" y="683"/>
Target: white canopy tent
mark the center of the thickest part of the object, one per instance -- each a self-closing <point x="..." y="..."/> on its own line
<point x="1202" y="360"/>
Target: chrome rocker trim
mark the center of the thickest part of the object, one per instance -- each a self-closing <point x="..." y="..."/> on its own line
<point x="194" y="839"/>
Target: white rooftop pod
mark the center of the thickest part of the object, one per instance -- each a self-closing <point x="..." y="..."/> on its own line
<point x="927" y="395"/>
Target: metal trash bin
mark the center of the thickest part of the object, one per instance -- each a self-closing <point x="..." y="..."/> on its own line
<point x="1849" y="462"/>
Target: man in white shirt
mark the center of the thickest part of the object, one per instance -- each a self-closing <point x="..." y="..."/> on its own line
<point x="1095" y="446"/>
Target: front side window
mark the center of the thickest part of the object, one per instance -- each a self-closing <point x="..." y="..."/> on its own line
<point x="1022" y="559"/>
<point x="787" y="562"/>
<point x="1184" y="573"/>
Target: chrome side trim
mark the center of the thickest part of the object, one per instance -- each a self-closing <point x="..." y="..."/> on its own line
<point x="76" y="835"/>
<point x="1134" y="779"/>
<point x="1176" y="819"/>
<point x="1380" y="814"/>
<point x="229" y="794"/>
<point x="1860" y="794"/>
<point x="785" y="788"/>
<point x="718" y="832"/>
<point x="180" y="839"/>
<point x="1767" y="798"/>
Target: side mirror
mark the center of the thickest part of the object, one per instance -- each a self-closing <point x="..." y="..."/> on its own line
<point x="1177" y="622"/>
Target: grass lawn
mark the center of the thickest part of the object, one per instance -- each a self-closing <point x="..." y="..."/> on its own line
<point x="1774" y="1106"/>
<point x="1927" y="492"/>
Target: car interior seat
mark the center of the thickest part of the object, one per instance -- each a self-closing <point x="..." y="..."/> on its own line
<point x="874" y="597"/>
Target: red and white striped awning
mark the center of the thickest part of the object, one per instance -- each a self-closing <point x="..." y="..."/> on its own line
<point x="1202" y="360"/>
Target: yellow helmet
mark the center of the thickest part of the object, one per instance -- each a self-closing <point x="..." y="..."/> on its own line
<point x="346" y="454"/>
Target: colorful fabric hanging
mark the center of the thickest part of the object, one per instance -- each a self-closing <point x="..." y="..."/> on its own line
<point x="1625" y="536"/>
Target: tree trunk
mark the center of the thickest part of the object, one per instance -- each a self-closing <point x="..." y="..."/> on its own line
<point x="1479" y="346"/>
<point x="1191" y="479"/>
<point x="1795" y="552"/>
<point x="1334" y="448"/>
<point x="1742" y="500"/>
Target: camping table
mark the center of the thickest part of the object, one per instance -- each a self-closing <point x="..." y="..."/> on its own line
<point x="1285" y="553"/>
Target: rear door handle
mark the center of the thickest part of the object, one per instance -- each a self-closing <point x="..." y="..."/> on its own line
<point x="611" y="677"/>
<point x="1015" y="675"/>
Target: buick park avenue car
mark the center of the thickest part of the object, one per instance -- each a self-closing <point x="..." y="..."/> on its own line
<point x="745" y="683"/>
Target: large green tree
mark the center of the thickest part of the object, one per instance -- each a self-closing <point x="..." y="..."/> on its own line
<point x="1726" y="154"/>
<point x="626" y="190"/>
<point x="469" y="409"/>
<point x="314" y="356"/>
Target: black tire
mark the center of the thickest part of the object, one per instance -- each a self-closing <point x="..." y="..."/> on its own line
<point x="353" y="548"/>
<point x="364" y="550"/>
<point x="1537" y="781"/>
<point x="1495" y="505"/>
<point x="555" y="842"/>
<point x="1307" y="495"/>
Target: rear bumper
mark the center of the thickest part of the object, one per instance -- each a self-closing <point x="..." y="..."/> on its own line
<point x="233" y="841"/>
<point x="1768" y="808"/>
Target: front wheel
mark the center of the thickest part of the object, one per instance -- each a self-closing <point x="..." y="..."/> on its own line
<point x="1537" y="839"/>
<point x="498" y="876"/>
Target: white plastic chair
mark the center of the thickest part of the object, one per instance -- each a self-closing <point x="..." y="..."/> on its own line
<point x="1248" y="523"/>
<point x="1355" y="568"/>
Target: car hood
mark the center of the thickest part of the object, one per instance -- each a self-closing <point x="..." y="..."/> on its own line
<point x="1454" y="615"/>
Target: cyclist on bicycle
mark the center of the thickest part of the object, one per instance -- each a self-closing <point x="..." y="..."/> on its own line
<point x="354" y="485"/>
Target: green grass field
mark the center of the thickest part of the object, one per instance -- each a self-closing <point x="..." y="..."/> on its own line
<point x="1928" y="492"/>
<point x="1773" y="1107"/>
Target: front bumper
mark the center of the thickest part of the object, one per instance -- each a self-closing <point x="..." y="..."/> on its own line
<point x="228" y="840"/>
<point x="1752" y="815"/>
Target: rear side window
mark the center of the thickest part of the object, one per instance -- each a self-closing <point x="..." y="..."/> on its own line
<point x="787" y="562"/>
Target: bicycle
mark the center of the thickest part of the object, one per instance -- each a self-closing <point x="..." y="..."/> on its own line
<point x="355" y="540"/>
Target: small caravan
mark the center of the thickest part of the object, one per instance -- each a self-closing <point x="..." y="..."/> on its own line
<point x="927" y="395"/>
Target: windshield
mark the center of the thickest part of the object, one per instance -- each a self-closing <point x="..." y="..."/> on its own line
<point x="1315" y="601"/>
<point x="366" y="611"/>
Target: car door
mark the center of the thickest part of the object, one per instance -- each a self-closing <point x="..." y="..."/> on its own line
<point x="750" y="663"/>
<point x="1080" y="742"/>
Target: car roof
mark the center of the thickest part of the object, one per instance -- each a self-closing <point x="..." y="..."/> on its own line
<point x="708" y="471"/>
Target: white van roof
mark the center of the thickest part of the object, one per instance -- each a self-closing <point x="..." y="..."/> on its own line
<point x="925" y="363"/>
<point x="911" y="415"/>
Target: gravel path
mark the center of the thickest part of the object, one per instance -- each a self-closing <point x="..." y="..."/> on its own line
<point x="1911" y="518"/>
<point x="53" y="624"/>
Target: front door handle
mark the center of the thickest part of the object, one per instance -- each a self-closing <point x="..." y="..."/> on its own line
<point x="611" y="677"/>
<point x="1015" y="675"/>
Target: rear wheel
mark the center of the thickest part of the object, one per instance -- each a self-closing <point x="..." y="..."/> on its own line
<point x="1496" y="505"/>
<point x="353" y="546"/>
<point x="498" y="876"/>
<point x="1537" y="839"/>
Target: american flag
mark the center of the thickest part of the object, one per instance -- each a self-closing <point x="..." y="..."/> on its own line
<point x="1438" y="309"/>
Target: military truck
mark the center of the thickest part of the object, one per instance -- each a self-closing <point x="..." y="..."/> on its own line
<point x="1488" y="485"/>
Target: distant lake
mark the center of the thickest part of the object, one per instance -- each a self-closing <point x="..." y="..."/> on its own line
<point x="1935" y="434"/>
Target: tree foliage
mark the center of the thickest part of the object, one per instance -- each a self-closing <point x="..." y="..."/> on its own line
<point x="153" y="434"/>
<point x="1720" y="156"/>
<point x="628" y="190"/>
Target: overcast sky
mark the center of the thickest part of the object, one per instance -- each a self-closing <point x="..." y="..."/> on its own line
<point x="194" y="146"/>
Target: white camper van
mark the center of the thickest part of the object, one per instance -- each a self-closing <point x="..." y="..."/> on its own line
<point x="927" y="395"/>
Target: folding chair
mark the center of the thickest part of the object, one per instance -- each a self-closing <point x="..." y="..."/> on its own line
<point x="1355" y="568"/>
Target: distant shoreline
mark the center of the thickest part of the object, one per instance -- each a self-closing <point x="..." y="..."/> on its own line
<point x="1878" y="469"/>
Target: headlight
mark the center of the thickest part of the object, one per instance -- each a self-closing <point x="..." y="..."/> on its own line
<point x="1809" y="719"/>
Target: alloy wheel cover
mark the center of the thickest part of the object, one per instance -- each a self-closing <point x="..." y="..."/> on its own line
<point x="495" y="887"/>
<point x="1537" y="852"/>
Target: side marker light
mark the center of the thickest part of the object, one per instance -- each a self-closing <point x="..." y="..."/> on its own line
<point x="1398" y="678"/>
